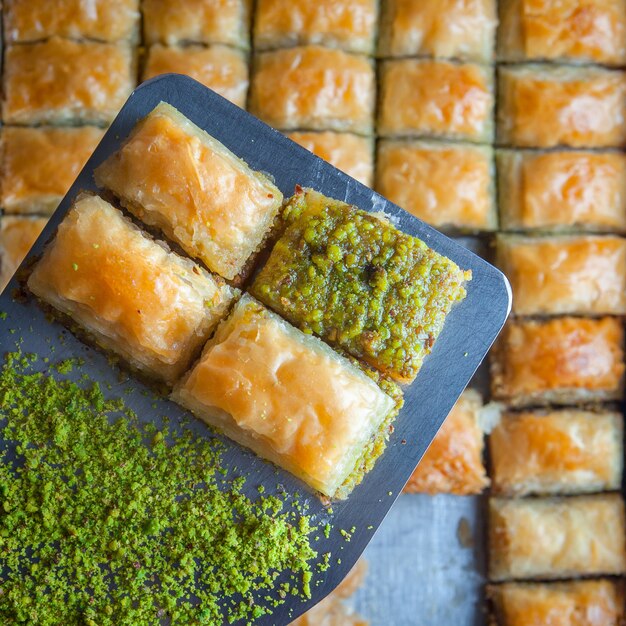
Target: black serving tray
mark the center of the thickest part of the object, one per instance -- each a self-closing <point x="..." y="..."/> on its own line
<point x="469" y="332"/>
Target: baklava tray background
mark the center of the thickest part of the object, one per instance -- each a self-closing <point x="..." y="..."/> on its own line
<point x="502" y="123"/>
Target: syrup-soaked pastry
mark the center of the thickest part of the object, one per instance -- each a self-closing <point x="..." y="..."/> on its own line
<point x="197" y="21"/>
<point x="563" y="361"/>
<point x="346" y="24"/>
<point x="448" y="185"/>
<point x="572" y="31"/>
<point x="549" y="538"/>
<point x="286" y="395"/>
<point x="176" y="177"/>
<point x="451" y="29"/>
<point x="573" y="603"/>
<point x="99" y="20"/>
<point x="543" y="106"/>
<point x="443" y="99"/>
<point x="352" y="154"/>
<point x="152" y="307"/>
<point x="563" y="190"/>
<point x="60" y="81"/>
<point x="221" y="68"/>
<point x="565" y="274"/>
<point x="40" y="164"/>
<point x="314" y="88"/>
<point x="454" y="461"/>
<point x="17" y="236"/>
<point x="556" y="451"/>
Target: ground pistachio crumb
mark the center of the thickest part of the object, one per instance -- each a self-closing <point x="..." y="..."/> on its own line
<point x="107" y="521"/>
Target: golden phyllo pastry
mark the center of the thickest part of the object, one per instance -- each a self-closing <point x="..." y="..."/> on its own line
<point x="552" y="452"/>
<point x="448" y="185"/>
<point x="99" y="20"/>
<point x="562" y="190"/>
<point x="584" y="31"/>
<point x="196" y="21"/>
<point x="173" y="175"/>
<point x="40" y="164"/>
<point x="221" y="68"/>
<point x="556" y="537"/>
<point x="580" y="275"/>
<point x="64" y="82"/>
<point x="314" y="88"/>
<point x="452" y="29"/>
<point x="564" y="361"/>
<point x="352" y="154"/>
<point x="346" y="24"/>
<point x="138" y="299"/>
<point x="454" y="461"/>
<point x="543" y="106"/>
<point x="285" y="395"/>
<point x="422" y="98"/>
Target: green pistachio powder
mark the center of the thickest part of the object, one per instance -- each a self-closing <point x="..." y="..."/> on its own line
<point x="107" y="521"/>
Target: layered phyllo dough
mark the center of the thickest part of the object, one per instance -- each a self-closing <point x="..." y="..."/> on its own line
<point x="314" y="88"/>
<point x="556" y="537"/>
<point x="346" y="24"/>
<point x="562" y="190"/>
<point x="135" y="297"/>
<point x="197" y="21"/>
<point x="558" y="451"/>
<point x="17" y="236"/>
<point x="40" y="164"/>
<point x="176" y="177"/>
<point x="575" y="603"/>
<point x="581" y="275"/>
<point x="358" y="282"/>
<point x="593" y="31"/>
<point x="99" y="20"/>
<point x="563" y="361"/>
<point x="454" y="461"/>
<point x="286" y="395"/>
<point x="60" y="81"/>
<point x="221" y="68"/>
<point x="448" y="185"/>
<point x="352" y="154"/>
<point x="452" y="29"/>
<point x="423" y="98"/>
<point x="543" y="106"/>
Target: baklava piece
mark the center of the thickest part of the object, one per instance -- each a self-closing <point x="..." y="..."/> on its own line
<point x="39" y="165"/>
<point x="566" y="274"/>
<point x="448" y="185"/>
<point x="542" y="106"/>
<point x="443" y="99"/>
<point x="571" y="31"/>
<point x="454" y="462"/>
<point x="314" y="88"/>
<point x="551" y="452"/>
<point x="359" y="283"/>
<point x="197" y="21"/>
<point x="574" y="190"/>
<point x="223" y="69"/>
<point x="139" y="300"/>
<point x="99" y="20"/>
<point x="176" y="177"/>
<point x="575" y="603"/>
<point x="452" y="29"/>
<point x="562" y="361"/>
<point x="60" y="81"/>
<point x="349" y="25"/>
<point x="551" y="538"/>
<point x="17" y="236"/>
<point x="350" y="153"/>
<point x="286" y="395"/>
